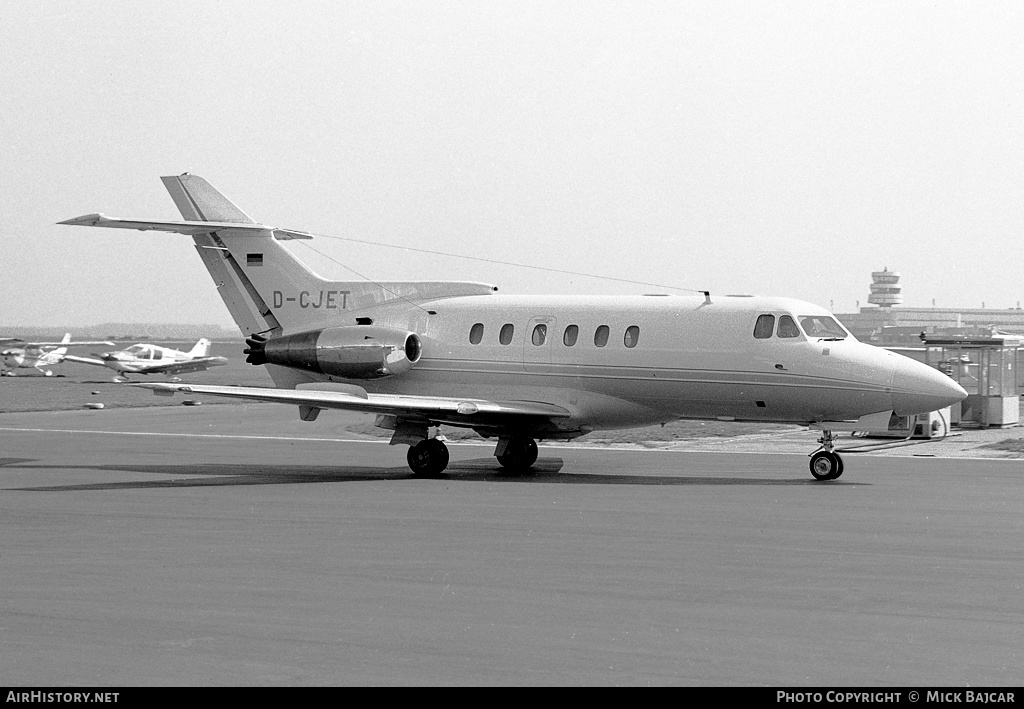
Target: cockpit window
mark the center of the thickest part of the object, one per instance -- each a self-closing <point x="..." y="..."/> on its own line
<point x="823" y="327"/>
<point x="764" y="327"/>
<point x="788" y="328"/>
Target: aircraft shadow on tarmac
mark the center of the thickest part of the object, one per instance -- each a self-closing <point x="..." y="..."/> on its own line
<point x="545" y="470"/>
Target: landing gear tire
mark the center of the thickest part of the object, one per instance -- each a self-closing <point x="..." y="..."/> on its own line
<point x="826" y="465"/>
<point x="520" y="454"/>
<point x="428" y="457"/>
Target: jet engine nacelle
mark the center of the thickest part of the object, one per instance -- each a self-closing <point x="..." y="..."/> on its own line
<point x="351" y="351"/>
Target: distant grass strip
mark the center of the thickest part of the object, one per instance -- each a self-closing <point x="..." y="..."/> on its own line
<point x="1009" y="445"/>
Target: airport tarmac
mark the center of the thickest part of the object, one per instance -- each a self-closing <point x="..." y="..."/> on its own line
<point x="235" y="545"/>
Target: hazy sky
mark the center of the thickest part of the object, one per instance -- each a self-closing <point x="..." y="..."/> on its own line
<point x="785" y="148"/>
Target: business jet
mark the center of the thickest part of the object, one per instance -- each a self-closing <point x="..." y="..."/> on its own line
<point x="144" y="358"/>
<point x="38" y="355"/>
<point x="523" y="368"/>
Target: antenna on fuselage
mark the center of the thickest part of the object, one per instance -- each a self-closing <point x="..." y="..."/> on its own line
<point x="707" y="297"/>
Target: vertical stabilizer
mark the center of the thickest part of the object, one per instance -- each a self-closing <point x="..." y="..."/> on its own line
<point x="201" y="349"/>
<point x="198" y="201"/>
<point x="269" y="291"/>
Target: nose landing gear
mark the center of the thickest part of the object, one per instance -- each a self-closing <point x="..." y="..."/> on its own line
<point x="825" y="462"/>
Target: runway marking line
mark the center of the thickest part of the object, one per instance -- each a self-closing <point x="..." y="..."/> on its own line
<point x="565" y="446"/>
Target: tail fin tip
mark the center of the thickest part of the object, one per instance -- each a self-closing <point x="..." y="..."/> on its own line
<point x="198" y="200"/>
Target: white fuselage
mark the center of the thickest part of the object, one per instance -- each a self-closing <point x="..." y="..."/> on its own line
<point x="32" y="358"/>
<point x="690" y="357"/>
<point x="141" y="357"/>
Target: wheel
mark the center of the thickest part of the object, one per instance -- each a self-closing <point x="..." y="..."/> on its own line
<point x="428" y="457"/>
<point x="826" y="465"/>
<point x="520" y="454"/>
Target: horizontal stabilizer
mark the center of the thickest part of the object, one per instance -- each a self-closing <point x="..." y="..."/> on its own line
<point x="187" y="227"/>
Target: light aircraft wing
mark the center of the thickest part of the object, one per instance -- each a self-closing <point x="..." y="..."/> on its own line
<point x="464" y="412"/>
<point x="22" y="343"/>
<point x="84" y="360"/>
<point x="198" y="364"/>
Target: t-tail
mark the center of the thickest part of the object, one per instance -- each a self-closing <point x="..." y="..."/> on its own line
<point x="268" y="291"/>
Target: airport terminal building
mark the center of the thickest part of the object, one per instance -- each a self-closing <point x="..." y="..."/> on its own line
<point x="980" y="348"/>
<point x="885" y="322"/>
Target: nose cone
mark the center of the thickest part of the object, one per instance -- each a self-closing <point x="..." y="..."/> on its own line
<point x="918" y="388"/>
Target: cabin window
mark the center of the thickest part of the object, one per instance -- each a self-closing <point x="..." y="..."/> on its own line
<point x="507" y="331"/>
<point x="632" y="336"/>
<point x="601" y="336"/>
<point x="787" y="327"/>
<point x="571" y="333"/>
<point x="476" y="334"/>
<point x="764" y="326"/>
<point x="822" y="326"/>
<point x="540" y="333"/>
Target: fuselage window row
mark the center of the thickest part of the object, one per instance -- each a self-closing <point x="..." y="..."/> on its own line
<point x="630" y="338"/>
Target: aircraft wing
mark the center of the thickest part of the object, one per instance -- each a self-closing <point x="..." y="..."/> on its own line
<point x="84" y="360"/>
<point x="23" y="343"/>
<point x="198" y="364"/>
<point x="464" y="412"/>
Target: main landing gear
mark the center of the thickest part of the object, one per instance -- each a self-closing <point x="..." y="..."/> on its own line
<point x="517" y="453"/>
<point x="825" y="462"/>
<point x="430" y="457"/>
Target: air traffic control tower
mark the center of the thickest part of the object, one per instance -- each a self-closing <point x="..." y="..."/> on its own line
<point x="887" y="322"/>
<point x="885" y="288"/>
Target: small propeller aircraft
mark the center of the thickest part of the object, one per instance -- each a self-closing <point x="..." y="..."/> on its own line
<point x="522" y="368"/>
<point x="144" y="358"/>
<point x="38" y="355"/>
